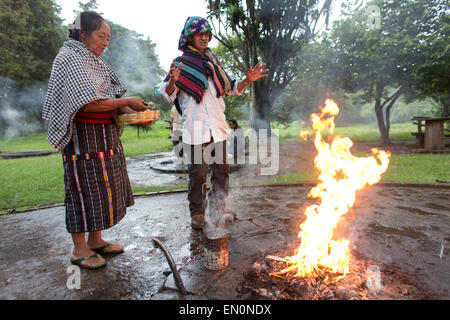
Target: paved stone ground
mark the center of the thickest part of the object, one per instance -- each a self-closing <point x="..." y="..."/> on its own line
<point x="400" y="226"/>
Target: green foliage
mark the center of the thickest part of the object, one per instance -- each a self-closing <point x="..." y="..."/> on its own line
<point x="312" y="84"/>
<point x="273" y="31"/>
<point x="237" y="107"/>
<point x="90" y="5"/>
<point x="30" y="37"/>
<point x="134" y="60"/>
<point x="398" y="59"/>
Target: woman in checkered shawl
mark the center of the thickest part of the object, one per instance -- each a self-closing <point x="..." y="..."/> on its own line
<point x="83" y="96"/>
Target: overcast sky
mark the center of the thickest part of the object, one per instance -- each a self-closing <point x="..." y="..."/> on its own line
<point x="162" y="20"/>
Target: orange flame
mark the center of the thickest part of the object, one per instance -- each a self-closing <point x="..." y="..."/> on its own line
<point x="341" y="175"/>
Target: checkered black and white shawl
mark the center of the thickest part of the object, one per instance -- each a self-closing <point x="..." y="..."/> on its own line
<point x="78" y="77"/>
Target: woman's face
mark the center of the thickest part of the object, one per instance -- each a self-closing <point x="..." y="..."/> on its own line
<point x="201" y="40"/>
<point x="98" y="41"/>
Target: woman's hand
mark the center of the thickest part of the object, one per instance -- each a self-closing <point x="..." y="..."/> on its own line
<point x="125" y="110"/>
<point x="174" y="72"/>
<point x="257" y="72"/>
<point x="253" y="75"/>
<point x="137" y="104"/>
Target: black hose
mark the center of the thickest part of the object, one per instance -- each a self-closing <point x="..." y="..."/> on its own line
<point x="172" y="265"/>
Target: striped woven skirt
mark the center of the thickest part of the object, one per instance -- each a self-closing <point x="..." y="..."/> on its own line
<point x="97" y="186"/>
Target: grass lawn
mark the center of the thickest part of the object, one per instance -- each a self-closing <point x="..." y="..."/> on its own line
<point x="39" y="181"/>
<point x="31" y="181"/>
<point x="33" y="142"/>
<point x="405" y="168"/>
<point x="357" y="132"/>
<point x="153" y="140"/>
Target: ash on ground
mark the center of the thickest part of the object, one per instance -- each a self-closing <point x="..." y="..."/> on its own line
<point x="259" y="284"/>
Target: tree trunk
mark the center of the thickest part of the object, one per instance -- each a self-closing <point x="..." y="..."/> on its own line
<point x="381" y="125"/>
<point x="388" y="113"/>
<point x="260" y="107"/>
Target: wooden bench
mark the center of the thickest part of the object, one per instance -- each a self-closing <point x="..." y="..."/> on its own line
<point x="433" y="139"/>
<point x="420" y="136"/>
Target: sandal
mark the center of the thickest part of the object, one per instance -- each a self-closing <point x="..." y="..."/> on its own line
<point x="79" y="262"/>
<point x="105" y="247"/>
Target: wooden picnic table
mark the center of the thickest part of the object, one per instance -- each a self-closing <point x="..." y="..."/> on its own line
<point x="434" y="137"/>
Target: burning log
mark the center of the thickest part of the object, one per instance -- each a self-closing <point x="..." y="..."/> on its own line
<point x="273" y="258"/>
<point x="260" y="283"/>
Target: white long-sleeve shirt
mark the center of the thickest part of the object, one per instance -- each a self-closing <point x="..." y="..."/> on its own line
<point x="176" y="119"/>
<point x="201" y="121"/>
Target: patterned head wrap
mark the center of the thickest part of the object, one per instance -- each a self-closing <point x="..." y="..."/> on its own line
<point x="193" y="26"/>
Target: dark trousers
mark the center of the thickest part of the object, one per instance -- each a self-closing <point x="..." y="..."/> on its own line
<point x="198" y="174"/>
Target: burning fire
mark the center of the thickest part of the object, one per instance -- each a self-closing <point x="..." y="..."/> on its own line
<point x="341" y="175"/>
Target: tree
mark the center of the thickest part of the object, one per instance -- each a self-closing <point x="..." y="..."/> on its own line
<point x="393" y="60"/>
<point x="90" y="5"/>
<point x="432" y="73"/>
<point x="274" y="31"/>
<point x="132" y="57"/>
<point x="30" y="37"/>
<point x="134" y="60"/>
<point x="313" y="83"/>
<point x="236" y="106"/>
<point x="137" y="65"/>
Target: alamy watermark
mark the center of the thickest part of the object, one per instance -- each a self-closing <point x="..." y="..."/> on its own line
<point x="373" y="17"/>
<point x="74" y="280"/>
<point x="77" y="23"/>
<point x="373" y="279"/>
<point x="260" y="147"/>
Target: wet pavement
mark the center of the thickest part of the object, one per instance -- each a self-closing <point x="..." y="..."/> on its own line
<point x="406" y="227"/>
<point x="143" y="170"/>
<point x="165" y="169"/>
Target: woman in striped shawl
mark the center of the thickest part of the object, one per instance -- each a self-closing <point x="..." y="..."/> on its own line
<point x="196" y="84"/>
<point x="83" y="96"/>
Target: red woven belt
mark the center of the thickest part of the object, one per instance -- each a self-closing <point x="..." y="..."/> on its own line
<point x="95" y="117"/>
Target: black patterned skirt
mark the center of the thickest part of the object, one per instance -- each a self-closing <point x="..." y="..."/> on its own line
<point x="97" y="186"/>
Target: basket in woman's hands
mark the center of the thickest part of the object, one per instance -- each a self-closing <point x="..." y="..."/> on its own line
<point x="142" y="117"/>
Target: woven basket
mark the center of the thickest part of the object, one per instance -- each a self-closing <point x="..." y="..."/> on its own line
<point x="136" y="118"/>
